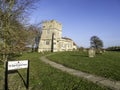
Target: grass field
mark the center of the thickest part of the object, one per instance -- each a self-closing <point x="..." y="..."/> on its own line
<point x="44" y="77"/>
<point x="105" y="65"/>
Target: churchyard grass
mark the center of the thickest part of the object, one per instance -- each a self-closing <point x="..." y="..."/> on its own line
<point x="105" y="65"/>
<point x="44" y="77"/>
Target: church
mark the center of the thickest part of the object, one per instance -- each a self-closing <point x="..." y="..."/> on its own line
<point x="52" y="40"/>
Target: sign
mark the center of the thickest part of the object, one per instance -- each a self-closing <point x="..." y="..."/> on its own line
<point x="14" y="65"/>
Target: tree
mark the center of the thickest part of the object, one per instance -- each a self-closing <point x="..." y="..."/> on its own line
<point x="34" y="33"/>
<point x="12" y="32"/>
<point x="96" y="43"/>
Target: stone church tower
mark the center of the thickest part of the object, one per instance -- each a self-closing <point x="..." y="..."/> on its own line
<point x="52" y="40"/>
<point x="51" y="34"/>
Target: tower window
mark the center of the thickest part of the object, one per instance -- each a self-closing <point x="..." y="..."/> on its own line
<point x="43" y="26"/>
<point x="47" y="42"/>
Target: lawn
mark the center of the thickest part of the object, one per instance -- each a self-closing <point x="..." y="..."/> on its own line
<point x="105" y="65"/>
<point x="44" y="77"/>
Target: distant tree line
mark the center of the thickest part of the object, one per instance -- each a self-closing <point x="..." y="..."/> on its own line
<point x="113" y="48"/>
<point x="95" y="43"/>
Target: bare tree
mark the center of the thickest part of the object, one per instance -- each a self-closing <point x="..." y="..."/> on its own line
<point x="34" y="34"/>
<point x="12" y="32"/>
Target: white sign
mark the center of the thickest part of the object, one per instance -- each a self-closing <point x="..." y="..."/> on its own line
<point x="14" y="65"/>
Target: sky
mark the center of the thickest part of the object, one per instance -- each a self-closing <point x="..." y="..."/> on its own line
<point x="82" y="19"/>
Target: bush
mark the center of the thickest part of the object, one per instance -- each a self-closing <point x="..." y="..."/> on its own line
<point x="114" y="48"/>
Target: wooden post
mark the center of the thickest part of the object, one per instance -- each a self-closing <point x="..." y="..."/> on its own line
<point x="28" y="75"/>
<point x="6" y="75"/>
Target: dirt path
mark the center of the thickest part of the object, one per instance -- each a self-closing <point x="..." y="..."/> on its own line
<point x="115" y="85"/>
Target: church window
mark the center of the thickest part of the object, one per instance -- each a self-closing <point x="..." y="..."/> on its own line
<point x="47" y="42"/>
<point x="43" y="26"/>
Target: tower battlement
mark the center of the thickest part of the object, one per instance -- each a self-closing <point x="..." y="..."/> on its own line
<point x="51" y="24"/>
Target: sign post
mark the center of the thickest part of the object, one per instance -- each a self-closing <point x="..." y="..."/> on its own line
<point x="27" y="77"/>
<point x="6" y="76"/>
<point x="15" y="65"/>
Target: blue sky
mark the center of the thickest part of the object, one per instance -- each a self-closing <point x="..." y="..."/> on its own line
<point x="81" y="19"/>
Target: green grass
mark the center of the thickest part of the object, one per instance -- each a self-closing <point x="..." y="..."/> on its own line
<point x="105" y="65"/>
<point x="44" y="77"/>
